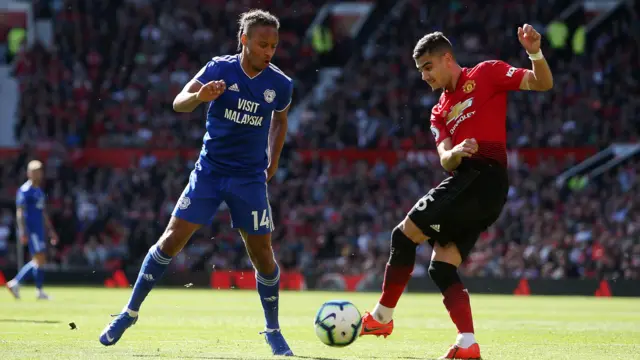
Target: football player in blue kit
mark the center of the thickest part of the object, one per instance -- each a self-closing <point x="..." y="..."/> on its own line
<point x="248" y="99"/>
<point x="32" y="220"/>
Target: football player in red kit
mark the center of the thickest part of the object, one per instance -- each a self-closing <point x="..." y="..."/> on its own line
<point x="468" y="124"/>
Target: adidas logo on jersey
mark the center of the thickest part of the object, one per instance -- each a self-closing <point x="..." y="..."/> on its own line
<point x="436" y="227"/>
<point x="234" y="87"/>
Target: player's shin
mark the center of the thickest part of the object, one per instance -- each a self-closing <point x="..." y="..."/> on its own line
<point x="38" y="274"/>
<point x="268" y="286"/>
<point x="456" y="300"/>
<point x="25" y="272"/>
<point x="153" y="268"/>
<point x="396" y="275"/>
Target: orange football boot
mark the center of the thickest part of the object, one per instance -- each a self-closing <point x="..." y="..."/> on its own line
<point x="371" y="326"/>
<point x="456" y="352"/>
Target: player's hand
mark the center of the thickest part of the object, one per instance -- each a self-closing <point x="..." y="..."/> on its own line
<point x="54" y="238"/>
<point x="211" y="91"/>
<point x="271" y="170"/>
<point x="24" y="239"/>
<point x="466" y="148"/>
<point x="529" y="38"/>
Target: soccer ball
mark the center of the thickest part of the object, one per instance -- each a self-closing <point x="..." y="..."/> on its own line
<point x="338" y="323"/>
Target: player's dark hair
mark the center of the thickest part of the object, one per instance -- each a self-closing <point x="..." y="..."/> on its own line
<point x="432" y="43"/>
<point x="253" y="18"/>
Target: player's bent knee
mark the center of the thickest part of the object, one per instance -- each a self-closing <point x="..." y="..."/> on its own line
<point x="39" y="258"/>
<point x="443" y="274"/>
<point x="259" y="248"/>
<point x="176" y="235"/>
<point x="412" y="231"/>
<point x="403" y="249"/>
<point x="447" y="254"/>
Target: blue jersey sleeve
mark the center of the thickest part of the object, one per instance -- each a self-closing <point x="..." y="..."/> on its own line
<point x="284" y="101"/>
<point x="20" y="198"/>
<point x="208" y="73"/>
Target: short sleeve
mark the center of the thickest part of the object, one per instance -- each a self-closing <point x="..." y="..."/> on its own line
<point x="20" y="198"/>
<point x="504" y="77"/>
<point x="208" y="73"/>
<point x="438" y="126"/>
<point x="284" y="100"/>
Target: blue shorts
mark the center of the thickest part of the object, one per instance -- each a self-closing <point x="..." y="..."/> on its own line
<point x="36" y="242"/>
<point x="246" y="198"/>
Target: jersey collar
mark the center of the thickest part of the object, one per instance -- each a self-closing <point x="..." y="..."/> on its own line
<point x="239" y="62"/>
<point x="461" y="80"/>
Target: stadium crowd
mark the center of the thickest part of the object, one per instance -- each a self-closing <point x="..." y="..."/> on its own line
<point x="333" y="216"/>
<point x="87" y="91"/>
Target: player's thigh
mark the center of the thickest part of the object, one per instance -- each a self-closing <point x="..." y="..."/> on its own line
<point x="438" y="213"/>
<point x="36" y="243"/>
<point x="200" y="199"/>
<point x="249" y="206"/>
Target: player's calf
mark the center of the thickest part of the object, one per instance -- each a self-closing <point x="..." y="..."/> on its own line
<point x="456" y="298"/>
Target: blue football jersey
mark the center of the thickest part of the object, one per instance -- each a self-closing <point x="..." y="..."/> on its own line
<point x="32" y="199"/>
<point x="238" y="121"/>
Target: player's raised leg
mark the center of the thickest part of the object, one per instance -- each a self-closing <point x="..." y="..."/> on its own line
<point x="175" y="237"/>
<point x="24" y="274"/>
<point x="34" y="268"/>
<point x="404" y="241"/>
<point x="196" y="206"/>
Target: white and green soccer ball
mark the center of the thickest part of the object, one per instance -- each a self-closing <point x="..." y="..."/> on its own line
<point x="338" y="323"/>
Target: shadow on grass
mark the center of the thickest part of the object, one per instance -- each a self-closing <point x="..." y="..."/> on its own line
<point x="23" y="321"/>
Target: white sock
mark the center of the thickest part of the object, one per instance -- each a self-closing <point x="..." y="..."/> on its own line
<point x="131" y="312"/>
<point x="464" y="340"/>
<point x="382" y="313"/>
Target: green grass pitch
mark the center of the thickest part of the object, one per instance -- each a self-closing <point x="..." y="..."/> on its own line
<point x="194" y="323"/>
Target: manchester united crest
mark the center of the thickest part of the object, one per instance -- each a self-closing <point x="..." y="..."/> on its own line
<point x="468" y="86"/>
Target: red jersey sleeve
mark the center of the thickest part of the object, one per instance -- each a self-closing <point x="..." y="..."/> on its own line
<point x="438" y="125"/>
<point x="504" y="77"/>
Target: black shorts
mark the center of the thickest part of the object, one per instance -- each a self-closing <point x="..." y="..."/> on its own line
<point x="464" y="205"/>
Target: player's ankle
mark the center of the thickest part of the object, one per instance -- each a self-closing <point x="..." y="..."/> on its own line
<point x="382" y="314"/>
<point x="465" y="340"/>
<point x="131" y="313"/>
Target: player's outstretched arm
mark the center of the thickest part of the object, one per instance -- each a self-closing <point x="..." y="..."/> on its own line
<point x="539" y="78"/>
<point x="194" y="93"/>
<point x="451" y="156"/>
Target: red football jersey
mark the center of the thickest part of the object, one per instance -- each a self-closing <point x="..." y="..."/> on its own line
<point x="477" y="108"/>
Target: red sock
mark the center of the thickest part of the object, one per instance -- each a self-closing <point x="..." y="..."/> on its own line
<point x="395" y="280"/>
<point x="456" y="300"/>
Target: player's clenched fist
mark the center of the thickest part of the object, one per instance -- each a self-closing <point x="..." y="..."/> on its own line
<point x="211" y="91"/>
<point x="466" y="148"/>
<point x="529" y="38"/>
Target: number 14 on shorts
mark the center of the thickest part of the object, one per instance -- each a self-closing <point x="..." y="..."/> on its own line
<point x="263" y="219"/>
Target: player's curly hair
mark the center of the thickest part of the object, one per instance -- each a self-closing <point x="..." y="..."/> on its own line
<point x="253" y="18"/>
<point x="432" y="43"/>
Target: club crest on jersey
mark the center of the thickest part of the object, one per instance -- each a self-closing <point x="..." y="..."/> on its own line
<point x="468" y="86"/>
<point x="269" y="95"/>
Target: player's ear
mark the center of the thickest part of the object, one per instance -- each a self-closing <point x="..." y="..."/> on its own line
<point x="244" y="39"/>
